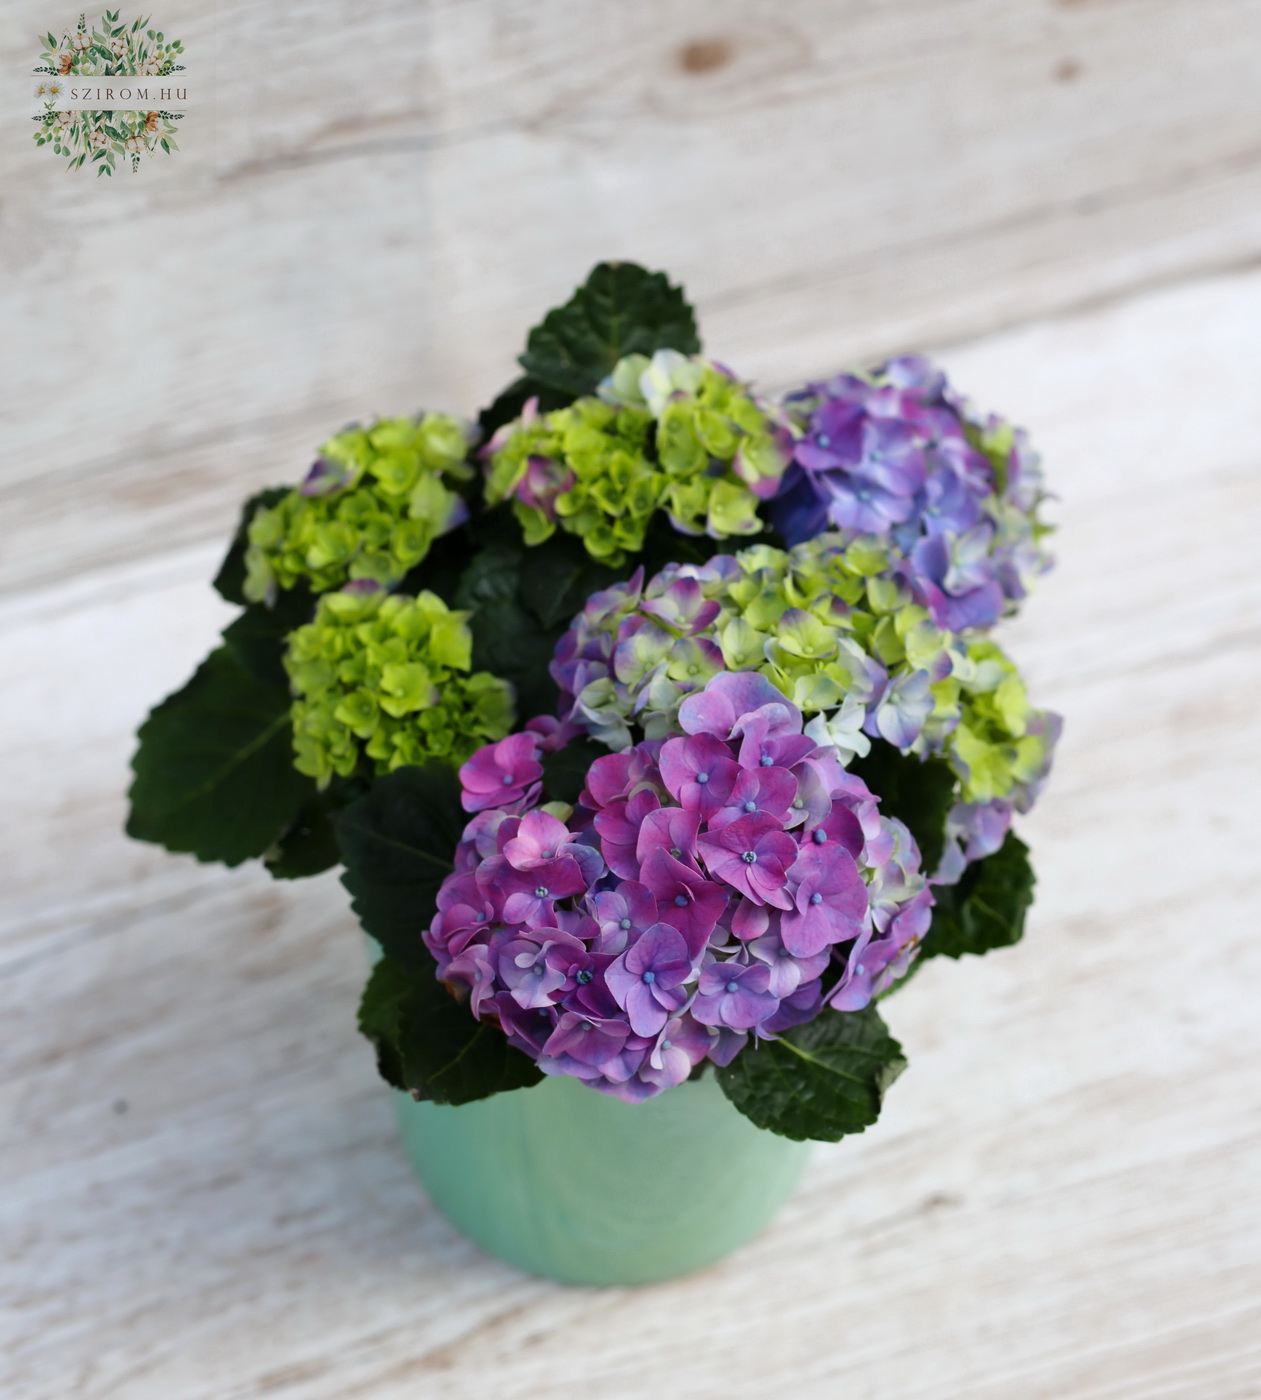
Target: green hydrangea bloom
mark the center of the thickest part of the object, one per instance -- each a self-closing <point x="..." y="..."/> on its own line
<point x="380" y="682"/>
<point x="1001" y="745"/>
<point x="670" y="433"/>
<point x="371" y="508"/>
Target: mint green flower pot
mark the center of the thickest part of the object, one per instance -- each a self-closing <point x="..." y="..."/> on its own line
<point x="566" y="1182"/>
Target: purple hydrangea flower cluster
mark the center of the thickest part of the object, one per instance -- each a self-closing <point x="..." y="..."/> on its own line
<point x="899" y="454"/>
<point x="729" y="882"/>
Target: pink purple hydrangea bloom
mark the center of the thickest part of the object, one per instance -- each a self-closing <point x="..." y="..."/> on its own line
<point x="731" y="881"/>
<point x="899" y="454"/>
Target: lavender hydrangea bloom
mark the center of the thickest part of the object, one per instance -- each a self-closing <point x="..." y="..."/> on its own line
<point x="897" y="453"/>
<point x="658" y="924"/>
<point x="646" y="981"/>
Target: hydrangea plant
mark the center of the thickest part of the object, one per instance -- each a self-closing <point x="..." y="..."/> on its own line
<point x="750" y="792"/>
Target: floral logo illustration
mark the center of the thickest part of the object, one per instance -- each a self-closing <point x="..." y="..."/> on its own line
<point x="110" y="48"/>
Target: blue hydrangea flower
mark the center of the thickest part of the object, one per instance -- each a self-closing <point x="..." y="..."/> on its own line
<point x="897" y="453"/>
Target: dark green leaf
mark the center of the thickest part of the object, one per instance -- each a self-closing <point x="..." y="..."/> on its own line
<point x="621" y="309"/>
<point x="230" y="580"/>
<point x="258" y="636"/>
<point x="565" y="773"/>
<point x="987" y="908"/>
<point x="821" y="1080"/>
<point x="309" y="845"/>
<point x="430" y="1045"/>
<point x="507" y="639"/>
<point x="398" y="843"/>
<point x="441" y="569"/>
<point x="557" y="578"/>
<point x="214" y="769"/>
<point x="919" y="792"/>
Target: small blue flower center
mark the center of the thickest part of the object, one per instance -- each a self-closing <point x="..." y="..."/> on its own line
<point x="816" y="898"/>
<point x="733" y="985"/>
<point x="767" y="761"/>
<point x="750" y="806"/>
<point x="540" y="892"/>
<point x="680" y="900"/>
<point x="585" y="1026"/>
<point x="625" y="923"/>
<point x="798" y="804"/>
<point x="665" y="1044"/>
<point x="650" y="976"/>
<point x="824" y="440"/>
<point x="702" y="778"/>
<point x="507" y="780"/>
<point x="860" y="969"/>
<point x="583" y="977"/>
<point x="819" y="836"/>
<point x="547" y="855"/>
<point x="749" y="857"/>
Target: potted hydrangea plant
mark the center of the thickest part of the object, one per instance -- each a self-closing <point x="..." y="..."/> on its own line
<point x="660" y="732"/>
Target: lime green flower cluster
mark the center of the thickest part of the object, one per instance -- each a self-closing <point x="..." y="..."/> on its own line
<point x="670" y="433"/>
<point x="371" y="507"/>
<point x="834" y="632"/>
<point x="380" y="676"/>
<point x="1002" y="746"/>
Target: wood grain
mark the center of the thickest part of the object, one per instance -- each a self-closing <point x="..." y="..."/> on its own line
<point x="832" y="179"/>
<point x="202" y="1197"/>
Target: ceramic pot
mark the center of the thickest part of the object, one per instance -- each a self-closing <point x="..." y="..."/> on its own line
<point x="570" y="1183"/>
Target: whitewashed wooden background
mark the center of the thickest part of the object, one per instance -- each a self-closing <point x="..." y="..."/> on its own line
<point x="200" y="1194"/>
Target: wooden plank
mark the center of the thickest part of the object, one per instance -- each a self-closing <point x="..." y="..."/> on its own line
<point x="201" y="1197"/>
<point x="831" y="180"/>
